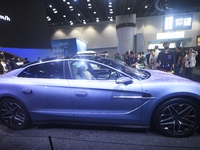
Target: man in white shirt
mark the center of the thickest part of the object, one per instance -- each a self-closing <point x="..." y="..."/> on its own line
<point x="153" y="59"/>
<point x="153" y="56"/>
<point x="190" y="62"/>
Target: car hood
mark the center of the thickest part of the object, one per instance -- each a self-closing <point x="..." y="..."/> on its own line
<point x="161" y="76"/>
<point x="162" y="83"/>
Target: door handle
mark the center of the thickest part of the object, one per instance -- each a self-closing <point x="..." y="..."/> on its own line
<point x="81" y="93"/>
<point x="27" y="91"/>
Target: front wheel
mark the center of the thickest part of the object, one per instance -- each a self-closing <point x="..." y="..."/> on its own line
<point x="13" y="114"/>
<point x="177" y="118"/>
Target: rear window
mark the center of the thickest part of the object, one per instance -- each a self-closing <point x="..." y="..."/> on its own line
<point x="51" y="70"/>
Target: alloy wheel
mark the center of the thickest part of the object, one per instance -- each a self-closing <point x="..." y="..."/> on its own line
<point x="178" y="119"/>
<point x="13" y="115"/>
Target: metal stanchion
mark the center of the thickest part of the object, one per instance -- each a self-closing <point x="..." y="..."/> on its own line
<point x="51" y="144"/>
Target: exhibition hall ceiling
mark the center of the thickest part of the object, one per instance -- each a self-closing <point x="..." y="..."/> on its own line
<point x="73" y="12"/>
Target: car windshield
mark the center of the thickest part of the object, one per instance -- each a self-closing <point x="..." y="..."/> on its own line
<point x="119" y="65"/>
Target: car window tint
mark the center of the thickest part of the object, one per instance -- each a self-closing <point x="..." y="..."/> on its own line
<point x="85" y="70"/>
<point x="102" y="72"/>
<point x="80" y="71"/>
<point x="51" y="70"/>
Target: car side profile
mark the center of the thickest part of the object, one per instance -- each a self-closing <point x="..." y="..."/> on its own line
<point x="103" y="92"/>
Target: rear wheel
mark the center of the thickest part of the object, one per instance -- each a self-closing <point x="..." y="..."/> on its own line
<point x="177" y="118"/>
<point x="13" y="114"/>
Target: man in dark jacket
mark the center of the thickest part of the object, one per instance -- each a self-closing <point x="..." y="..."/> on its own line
<point x="12" y="64"/>
<point x="133" y="59"/>
<point x="166" y="58"/>
<point x="127" y="58"/>
<point x="178" y="60"/>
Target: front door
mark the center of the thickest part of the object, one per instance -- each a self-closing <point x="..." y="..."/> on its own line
<point x="101" y="99"/>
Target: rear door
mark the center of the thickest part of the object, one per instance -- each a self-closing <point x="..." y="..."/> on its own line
<point x="45" y="91"/>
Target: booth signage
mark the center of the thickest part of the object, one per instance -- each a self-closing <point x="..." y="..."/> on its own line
<point x="178" y="22"/>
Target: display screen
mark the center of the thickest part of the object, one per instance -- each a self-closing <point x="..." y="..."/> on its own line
<point x="178" y="22"/>
<point x="23" y="24"/>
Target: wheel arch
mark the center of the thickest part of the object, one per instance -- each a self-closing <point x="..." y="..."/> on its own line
<point x="192" y="98"/>
<point x="12" y="97"/>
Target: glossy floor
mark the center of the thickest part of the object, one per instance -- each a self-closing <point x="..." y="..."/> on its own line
<point x="91" y="138"/>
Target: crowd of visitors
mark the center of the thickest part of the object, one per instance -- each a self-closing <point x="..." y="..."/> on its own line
<point x="175" y="61"/>
<point x="11" y="64"/>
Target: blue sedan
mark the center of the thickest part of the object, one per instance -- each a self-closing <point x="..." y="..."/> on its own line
<point x="102" y="92"/>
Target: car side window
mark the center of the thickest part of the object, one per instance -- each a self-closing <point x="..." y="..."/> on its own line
<point x="50" y="70"/>
<point x="85" y="70"/>
<point x="102" y="72"/>
<point x="80" y="70"/>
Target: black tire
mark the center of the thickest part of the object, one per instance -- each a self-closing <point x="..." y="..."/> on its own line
<point x="177" y="118"/>
<point x="14" y="115"/>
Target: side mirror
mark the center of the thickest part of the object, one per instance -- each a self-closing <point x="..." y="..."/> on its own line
<point x="124" y="80"/>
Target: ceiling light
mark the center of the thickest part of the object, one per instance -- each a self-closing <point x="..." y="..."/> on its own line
<point x="64" y="16"/>
<point x="70" y="6"/>
<point x="48" y="18"/>
<point x="68" y="3"/>
<point x="90" y="7"/>
<point x="64" y="0"/>
<point x="88" y="0"/>
<point x="110" y="3"/>
<point x="128" y="8"/>
<point x="146" y="6"/>
<point x="72" y="9"/>
<point x="89" y="4"/>
<point x="110" y="18"/>
<point x="79" y="14"/>
<point x="95" y="12"/>
<point x="50" y="6"/>
<point x="110" y="6"/>
<point x="55" y="12"/>
<point x="111" y="12"/>
<point x="54" y="9"/>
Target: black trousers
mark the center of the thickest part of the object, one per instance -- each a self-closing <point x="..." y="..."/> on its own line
<point x="189" y="72"/>
<point x="177" y="69"/>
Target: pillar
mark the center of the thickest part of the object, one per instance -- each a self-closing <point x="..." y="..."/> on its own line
<point x="125" y="26"/>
